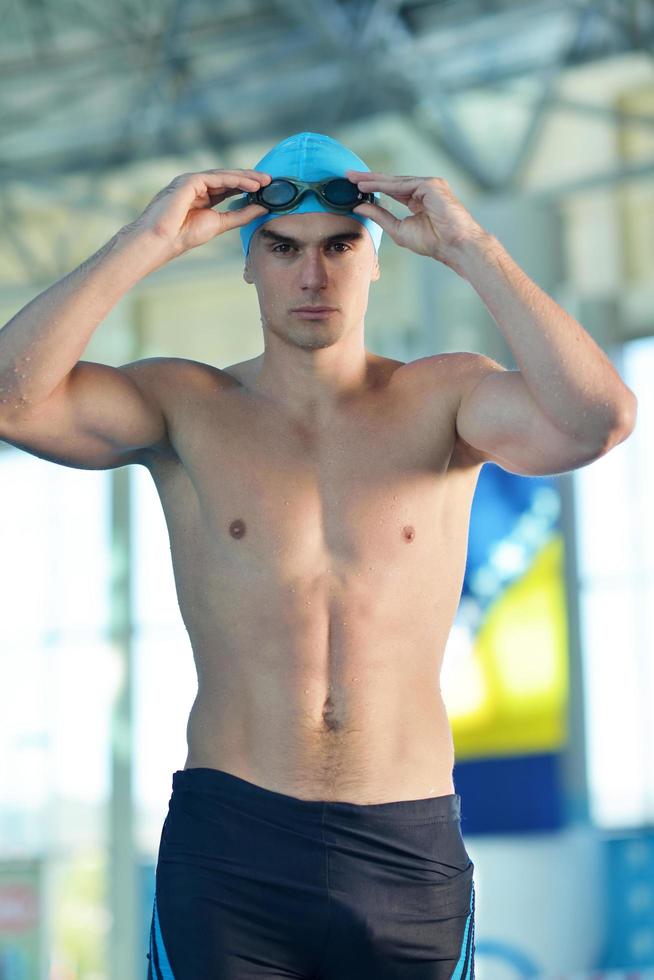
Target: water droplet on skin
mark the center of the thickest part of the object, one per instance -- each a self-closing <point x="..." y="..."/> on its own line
<point x="22" y="375"/>
<point x="306" y="690"/>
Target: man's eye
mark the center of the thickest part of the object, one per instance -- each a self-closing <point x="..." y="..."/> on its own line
<point x="285" y="245"/>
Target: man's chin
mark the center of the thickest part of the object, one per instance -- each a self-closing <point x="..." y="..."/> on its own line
<point x="307" y="333"/>
<point x="315" y="336"/>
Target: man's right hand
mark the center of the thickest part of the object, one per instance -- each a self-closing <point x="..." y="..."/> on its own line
<point x="181" y="213"/>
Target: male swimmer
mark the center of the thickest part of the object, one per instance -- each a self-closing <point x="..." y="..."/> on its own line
<point x="317" y="499"/>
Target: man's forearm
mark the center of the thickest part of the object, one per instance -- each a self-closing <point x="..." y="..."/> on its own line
<point x="568" y="374"/>
<point x="43" y="342"/>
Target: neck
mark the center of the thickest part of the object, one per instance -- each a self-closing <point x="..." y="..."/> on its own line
<point x="313" y="384"/>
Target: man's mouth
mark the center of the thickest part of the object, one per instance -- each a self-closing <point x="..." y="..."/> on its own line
<point x="314" y="311"/>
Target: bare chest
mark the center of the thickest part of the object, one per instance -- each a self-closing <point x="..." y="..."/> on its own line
<point x="255" y="495"/>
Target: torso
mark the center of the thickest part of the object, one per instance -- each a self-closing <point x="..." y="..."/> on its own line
<point x="318" y="574"/>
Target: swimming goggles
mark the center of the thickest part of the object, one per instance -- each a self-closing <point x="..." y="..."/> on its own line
<point x="283" y="193"/>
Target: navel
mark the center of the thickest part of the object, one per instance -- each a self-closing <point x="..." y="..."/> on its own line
<point x="409" y="532"/>
<point x="330" y="719"/>
<point x="237" y="528"/>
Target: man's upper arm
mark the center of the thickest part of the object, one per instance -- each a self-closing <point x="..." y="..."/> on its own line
<point x="99" y="417"/>
<point x="498" y="417"/>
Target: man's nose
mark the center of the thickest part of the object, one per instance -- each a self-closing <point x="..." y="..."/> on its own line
<point x="313" y="273"/>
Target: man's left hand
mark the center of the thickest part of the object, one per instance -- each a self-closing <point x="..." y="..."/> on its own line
<point x="439" y="224"/>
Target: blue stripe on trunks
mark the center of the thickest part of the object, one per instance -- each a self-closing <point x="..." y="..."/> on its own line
<point x="160" y="968"/>
<point x="464" y="970"/>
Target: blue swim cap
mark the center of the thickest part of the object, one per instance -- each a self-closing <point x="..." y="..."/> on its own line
<point x="309" y="156"/>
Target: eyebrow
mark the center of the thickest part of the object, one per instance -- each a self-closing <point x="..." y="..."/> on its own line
<point x="345" y="236"/>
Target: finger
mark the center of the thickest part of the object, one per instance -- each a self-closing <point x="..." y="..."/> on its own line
<point x="217" y="195"/>
<point x="259" y="175"/>
<point x="234" y="219"/>
<point x="219" y="181"/>
<point x="226" y="193"/>
<point x="383" y="217"/>
<point x="393" y="186"/>
<point x="222" y="179"/>
<point x="376" y="175"/>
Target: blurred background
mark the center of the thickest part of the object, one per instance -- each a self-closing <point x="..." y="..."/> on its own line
<point x="540" y="114"/>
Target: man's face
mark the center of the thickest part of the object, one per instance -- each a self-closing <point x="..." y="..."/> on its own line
<point x="312" y="259"/>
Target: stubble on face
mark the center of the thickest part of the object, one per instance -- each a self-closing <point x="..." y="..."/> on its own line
<point x="342" y="279"/>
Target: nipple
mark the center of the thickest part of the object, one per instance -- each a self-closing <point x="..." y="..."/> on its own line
<point x="408" y="532"/>
<point x="237" y="528"/>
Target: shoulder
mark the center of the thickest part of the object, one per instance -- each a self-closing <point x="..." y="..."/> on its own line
<point x="167" y="382"/>
<point x="165" y="377"/>
<point x="441" y="382"/>
<point x="463" y="363"/>
<point x="452" y="371"/>
<point x="455" y="371"/>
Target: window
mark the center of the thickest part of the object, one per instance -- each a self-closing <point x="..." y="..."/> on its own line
<point x="615" y="542"/>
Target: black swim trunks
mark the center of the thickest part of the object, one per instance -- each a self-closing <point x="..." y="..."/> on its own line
<point x="252" y="883"/>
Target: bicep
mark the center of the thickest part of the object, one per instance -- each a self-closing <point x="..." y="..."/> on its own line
<point x="498" y="417"/>
<point x="99" y="417"/>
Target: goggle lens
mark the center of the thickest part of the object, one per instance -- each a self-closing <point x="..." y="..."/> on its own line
<point x="278" y="192"/>
<point x="341" y="192"/>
